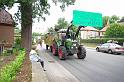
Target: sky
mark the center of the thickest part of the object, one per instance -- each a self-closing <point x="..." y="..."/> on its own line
<point x="106" y="7"/>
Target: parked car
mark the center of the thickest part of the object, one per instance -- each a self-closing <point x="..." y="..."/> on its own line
<point x="110" y="48"/>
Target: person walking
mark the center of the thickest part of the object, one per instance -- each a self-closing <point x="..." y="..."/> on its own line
<point x="40" y="42"/>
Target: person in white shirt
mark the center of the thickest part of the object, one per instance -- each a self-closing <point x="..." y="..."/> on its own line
<point x="34" y="57"/>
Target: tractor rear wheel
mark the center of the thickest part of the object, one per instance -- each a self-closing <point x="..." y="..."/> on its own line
<point x="62" y="53"/>
<point x="54" y="50"/>
<point x="81" y="52"/>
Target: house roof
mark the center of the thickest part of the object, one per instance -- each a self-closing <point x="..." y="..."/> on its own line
<point x="104" y="29"/>
<point x="106" y="26"/>
<point x="89" y="28"/>
<point x="5" y="17"/>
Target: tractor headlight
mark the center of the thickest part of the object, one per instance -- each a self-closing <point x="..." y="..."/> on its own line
<point x="74" y="44"/>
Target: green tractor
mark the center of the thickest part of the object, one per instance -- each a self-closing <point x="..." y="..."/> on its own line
<point x="66" y="44"/>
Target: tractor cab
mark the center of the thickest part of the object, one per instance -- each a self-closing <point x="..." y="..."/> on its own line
<point x="67" y="39"/>
<point x="62" y="34"/>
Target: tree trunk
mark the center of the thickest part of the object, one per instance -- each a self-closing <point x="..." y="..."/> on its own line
<point x="26" y="24"/>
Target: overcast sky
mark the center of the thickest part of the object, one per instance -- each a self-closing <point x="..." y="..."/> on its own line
<point x="106" y="7"/>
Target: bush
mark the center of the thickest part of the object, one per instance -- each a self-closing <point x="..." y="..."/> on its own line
<point x="18" y="42"/>
<point x="115" y="31"/>
<point x="102" y="40"/>
<point x="7" y="52"/>
<point x="8" y="73"/>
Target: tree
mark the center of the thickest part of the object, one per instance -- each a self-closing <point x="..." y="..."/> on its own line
<point x="115" y="31"/>
<point x="113" y="19"/>
<point x="51" y="29"/>
<point x="105" y="20"/>
<point x="28" y="10"/>
<point x="61" y="24"/>
<point x="36" y="34"/>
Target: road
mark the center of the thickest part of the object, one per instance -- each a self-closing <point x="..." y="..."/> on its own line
<point x="96" y="67"/>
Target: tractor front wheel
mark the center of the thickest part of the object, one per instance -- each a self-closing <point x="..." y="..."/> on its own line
<point x="81" y="52"/>
<point x="62" y="53"/>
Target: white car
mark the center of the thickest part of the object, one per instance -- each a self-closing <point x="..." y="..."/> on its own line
<point x="110" y="48"/>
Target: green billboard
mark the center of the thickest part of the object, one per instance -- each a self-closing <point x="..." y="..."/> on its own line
<point x="82" y="18"/>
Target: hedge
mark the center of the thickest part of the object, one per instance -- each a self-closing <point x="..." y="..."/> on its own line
<point x="8" y="73"/>
<point x="102" y="40"/>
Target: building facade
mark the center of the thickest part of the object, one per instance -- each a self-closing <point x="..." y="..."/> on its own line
<point x="6" y="28"/>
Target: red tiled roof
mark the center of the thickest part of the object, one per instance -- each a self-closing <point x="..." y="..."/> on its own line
<point x="104" y="29"/>
<point x="5" y="17"/>
<point x="106" y="26"/>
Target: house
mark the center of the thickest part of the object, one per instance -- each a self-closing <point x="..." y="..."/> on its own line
<point x="89" y="32"/>
<point x="6" y="29"/>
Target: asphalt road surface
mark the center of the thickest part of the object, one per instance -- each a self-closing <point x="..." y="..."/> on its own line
<point x="96" y="67"/>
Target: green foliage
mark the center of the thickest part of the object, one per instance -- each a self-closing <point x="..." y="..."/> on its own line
<point x="105" y="20"/>
<point x="51" y="29"/>
<point x="15" y="51"/>
<point x="115" y="31"/>
<point x="5" y="53"/>
<point x="17" y="30"/>
<point x="6" y="3"/>
<point x="18" y="42"/>
<point x="36" y="34"/>
<point x="113" y="19"/>
<point x="64" y="3"/>
<point x="8" y="73"/>
<point x="39" y="7"/>
<point x="61" y="24"/>
<point x="102" y="40"/>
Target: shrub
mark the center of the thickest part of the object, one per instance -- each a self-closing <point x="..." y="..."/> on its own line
<point x="18" y="42"/>
<point x="6" y="52"/>
<point x="8" y="73"/>
<point x="115" y="31"/>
